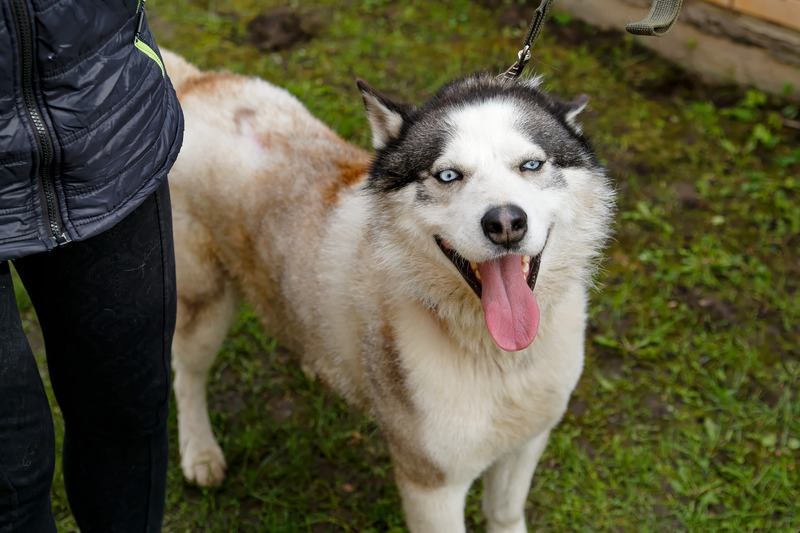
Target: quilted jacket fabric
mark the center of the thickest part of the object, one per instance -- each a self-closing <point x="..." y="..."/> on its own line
<point x="89" y="121"/>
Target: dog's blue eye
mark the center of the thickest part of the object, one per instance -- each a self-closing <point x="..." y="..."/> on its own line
<point x="532" y="165"/>
<point x="448" y="175"/>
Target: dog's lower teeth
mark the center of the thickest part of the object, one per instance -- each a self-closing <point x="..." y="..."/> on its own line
<point x="474" y="268"/>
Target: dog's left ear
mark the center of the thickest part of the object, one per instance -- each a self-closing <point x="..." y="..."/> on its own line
<point x="573" y="109"/>
<point x="386" y="117"/>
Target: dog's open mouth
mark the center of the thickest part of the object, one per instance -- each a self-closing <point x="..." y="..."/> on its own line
<point x="505" y="288"/>
<point x="529" y="267"/>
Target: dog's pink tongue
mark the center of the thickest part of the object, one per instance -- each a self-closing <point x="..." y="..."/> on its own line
<point x="509" y="306"/>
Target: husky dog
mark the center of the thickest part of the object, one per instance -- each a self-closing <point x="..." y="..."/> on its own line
<point x="441" y="284"/>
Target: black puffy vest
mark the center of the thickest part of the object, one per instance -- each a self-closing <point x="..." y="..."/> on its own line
<point x="89" y="121"/>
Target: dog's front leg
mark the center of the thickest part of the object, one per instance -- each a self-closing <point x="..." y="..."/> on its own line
<point x="506" y="484"/>
<point x="433" y="509"/>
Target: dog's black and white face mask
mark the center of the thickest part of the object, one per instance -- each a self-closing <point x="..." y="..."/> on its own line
<point x="488" y="170"/>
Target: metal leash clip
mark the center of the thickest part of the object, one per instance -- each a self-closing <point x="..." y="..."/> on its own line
<point x="513" y="72"/>
<point x="524" y="55"/>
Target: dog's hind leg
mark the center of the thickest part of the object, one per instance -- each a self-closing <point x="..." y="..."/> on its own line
<point x="202" y="460"/>
<point x="206" y="307"/>
<point x="506" y="485"/>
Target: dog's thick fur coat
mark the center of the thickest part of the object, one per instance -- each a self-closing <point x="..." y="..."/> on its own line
<point x="360" y="266"/>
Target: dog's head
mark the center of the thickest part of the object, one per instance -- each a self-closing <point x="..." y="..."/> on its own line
<point x="490" y="178"/>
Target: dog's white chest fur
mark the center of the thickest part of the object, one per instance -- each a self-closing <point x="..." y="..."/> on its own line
<point x="474" y="410"/>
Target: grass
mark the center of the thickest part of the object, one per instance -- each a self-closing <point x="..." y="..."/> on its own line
<point x="687" y="414"/>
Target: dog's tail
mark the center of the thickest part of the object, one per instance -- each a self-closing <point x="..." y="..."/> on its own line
<point x="178" y="69"/>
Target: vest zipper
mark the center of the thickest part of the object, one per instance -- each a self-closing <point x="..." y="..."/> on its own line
<point x="140" y="44"/>
<point x="44" y="141"/>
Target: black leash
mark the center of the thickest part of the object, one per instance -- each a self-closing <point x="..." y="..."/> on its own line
<point x="524" y="55"/>
<point x="658" y="22"/>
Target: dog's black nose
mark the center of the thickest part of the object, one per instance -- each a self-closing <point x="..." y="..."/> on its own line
<point x="505" y="225"/>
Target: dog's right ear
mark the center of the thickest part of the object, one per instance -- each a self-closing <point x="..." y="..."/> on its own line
<point x="386" y="117"/>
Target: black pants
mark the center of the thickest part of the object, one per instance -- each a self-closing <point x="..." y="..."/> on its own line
<point x="106" y="306"/>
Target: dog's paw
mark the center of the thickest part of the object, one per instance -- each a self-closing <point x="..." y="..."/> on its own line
<point x="205" y="468"/>
<point x="511" y="527"/>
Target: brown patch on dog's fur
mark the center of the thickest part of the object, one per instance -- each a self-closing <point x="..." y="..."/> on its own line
<point x="392" y="375"/>
<point x="192" y="308"/>
<point x="208" y="82"/>
<point x="350" y="172"/>
<point x="390" y="380"/>
<point x="241" y="238"/>
<point x="243" y="116"/>
<point x="275" y="141"/>
<point x="411" y="463"/>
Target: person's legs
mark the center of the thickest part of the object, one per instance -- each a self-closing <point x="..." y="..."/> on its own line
<point x="107" y="310"/>
<point x="27" y="444"/>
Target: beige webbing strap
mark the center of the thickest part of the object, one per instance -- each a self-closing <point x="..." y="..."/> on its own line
<point x="659" y="21"/>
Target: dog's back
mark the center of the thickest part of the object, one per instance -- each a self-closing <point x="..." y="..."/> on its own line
<point x="257" y="180"/>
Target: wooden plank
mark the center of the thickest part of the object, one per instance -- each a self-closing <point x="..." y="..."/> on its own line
<point x="723" y="3"/>
<point x="783" y="12"/>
